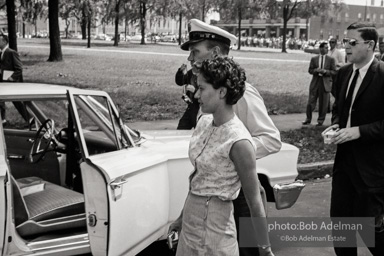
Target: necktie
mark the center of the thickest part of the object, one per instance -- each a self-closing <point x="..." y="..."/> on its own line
<point x="321" y="66"/>
<point x="348" y="101"/>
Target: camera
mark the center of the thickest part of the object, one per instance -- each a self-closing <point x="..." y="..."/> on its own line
<point x="186" y="99"/>
<point x="172" y="239"/>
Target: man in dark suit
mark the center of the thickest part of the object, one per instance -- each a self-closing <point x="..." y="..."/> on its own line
<point x="322" y="67"/>
<point x="358" y="120"/>
<point x="10" y="63"/>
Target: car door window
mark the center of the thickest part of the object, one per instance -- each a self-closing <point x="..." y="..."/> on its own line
<point x="96" y="124"/>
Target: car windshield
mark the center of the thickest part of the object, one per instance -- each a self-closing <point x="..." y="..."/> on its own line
<point x="100" y="126"/>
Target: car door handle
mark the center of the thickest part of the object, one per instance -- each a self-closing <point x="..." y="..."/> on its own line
<point x="116" y="187"/>
<point x="117" y="184"/>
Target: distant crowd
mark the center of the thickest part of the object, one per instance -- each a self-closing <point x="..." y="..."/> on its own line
<point x="292" y="43"/>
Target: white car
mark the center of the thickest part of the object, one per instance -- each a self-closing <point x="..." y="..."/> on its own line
<point x="77" y="180"/>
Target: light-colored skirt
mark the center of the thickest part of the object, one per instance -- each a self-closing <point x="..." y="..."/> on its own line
<point x="208" y="228"/>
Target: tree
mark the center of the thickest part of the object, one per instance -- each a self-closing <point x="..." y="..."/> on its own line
<point x="301" y="8"/>
<point x="54" y="31"/>
<point x="236" y="9"/>
<point x="32" y="10"/>
<point x="67" y="7"/>
<point x="327" y="8"/>
<point x="117" y="20"/>
<point x="11" y="24"/>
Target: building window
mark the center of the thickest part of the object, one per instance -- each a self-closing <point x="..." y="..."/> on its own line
<point x="381" y="18"/>
<point x="359" y="16"/>
<point x="374" y="17"/>
<point x="321" y="33"/>
<point x="347" y="17"/>
<point x="337" y="34"/>
<point x="368" y="17"/>
<point x="382" y="2"/>
<point x="372" y="2"/>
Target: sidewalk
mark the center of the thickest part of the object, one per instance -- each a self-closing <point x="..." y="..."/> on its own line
<point x="282" y="122"/>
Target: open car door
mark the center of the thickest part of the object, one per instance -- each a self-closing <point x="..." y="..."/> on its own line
<point x="126" y="193"/>
<point x="3" y="178"/>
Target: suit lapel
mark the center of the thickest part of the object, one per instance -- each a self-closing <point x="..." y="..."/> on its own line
<point x="344" y="86"/>
<point x="367" y="79"/>
<point x="317" y="59"/>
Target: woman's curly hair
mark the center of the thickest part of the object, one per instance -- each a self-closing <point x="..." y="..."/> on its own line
<point x="225" y="72"/>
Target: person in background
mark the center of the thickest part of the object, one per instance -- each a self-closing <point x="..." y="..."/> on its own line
<point x="339" y="61"/>
<point x="322" y="68"/>
<point x="358" y="123"/>
<point x="380" y="56"/>
<point x="222" y="152"/>
<point x="11" y="70"/>
<point x="188" y="79"/>
<point x="207" y="42"/>
<point x="336" y="53"/>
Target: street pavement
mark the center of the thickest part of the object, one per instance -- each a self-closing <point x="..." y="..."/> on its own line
<point x="282" y="122"/>
<point x="313" y="202"/>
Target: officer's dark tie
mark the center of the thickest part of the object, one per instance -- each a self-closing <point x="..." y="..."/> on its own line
<point x="348" y="101"/>
<point x="321" y="65"/>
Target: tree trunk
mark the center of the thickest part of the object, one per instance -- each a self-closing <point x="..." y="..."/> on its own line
<point x="285" y="21"/>
<point x="35" y="28"/>
<point x="83" y="23"/>
<point x="11" y="24"/>
<point x="143" y="13"/>
<point x="89" y="21"/>
<point x="180" y="20"/>
<point x="23" y="29"/>
<point x="239" y="29"/>
<point x="125" y="29"/>
<point x="117" y="18"/>
<point x="54" y="31"/>
<point x="203" y="11"/>
<point x="307" y="29"/>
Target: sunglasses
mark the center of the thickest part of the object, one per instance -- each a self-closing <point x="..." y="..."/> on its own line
<point x="354" y="42"/>
<point x="332" y="42"/>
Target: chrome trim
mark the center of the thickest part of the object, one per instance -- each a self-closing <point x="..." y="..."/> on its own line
<point x="59" y="243"/>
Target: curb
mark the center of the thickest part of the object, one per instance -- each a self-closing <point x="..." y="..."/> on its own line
<point x="314" y="170"/>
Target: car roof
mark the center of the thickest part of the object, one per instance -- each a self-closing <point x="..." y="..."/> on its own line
<point x="36" y="89"/>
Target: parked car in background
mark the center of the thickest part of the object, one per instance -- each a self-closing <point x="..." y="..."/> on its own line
<point x="104" y="37"/>
<point x="77" y="180"/>
<point x="168" y="38"/>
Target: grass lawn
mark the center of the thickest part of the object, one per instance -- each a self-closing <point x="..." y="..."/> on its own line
<point x="311" y="144"/>
<point x="140" y="78"/>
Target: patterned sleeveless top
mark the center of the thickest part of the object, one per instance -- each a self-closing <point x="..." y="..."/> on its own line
<point x="214" y="173"/>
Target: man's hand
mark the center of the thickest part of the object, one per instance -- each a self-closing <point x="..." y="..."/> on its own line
<point x="190" y="88"/>
<point x="266" y="252"/>
<point x="332" y="127"/>
<point x="183" y="68"/>
<point x="346" y="134"/>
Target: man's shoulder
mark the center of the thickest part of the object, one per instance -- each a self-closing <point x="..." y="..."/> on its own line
<point x="315" y="57"/>
<point x="346" y="67"/>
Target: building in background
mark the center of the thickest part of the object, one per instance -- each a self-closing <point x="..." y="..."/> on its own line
<point x="320" y="27"/>
<point x="357" y="10"/>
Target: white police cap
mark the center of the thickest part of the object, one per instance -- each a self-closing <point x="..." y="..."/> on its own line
<point x="200" y="31"/>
